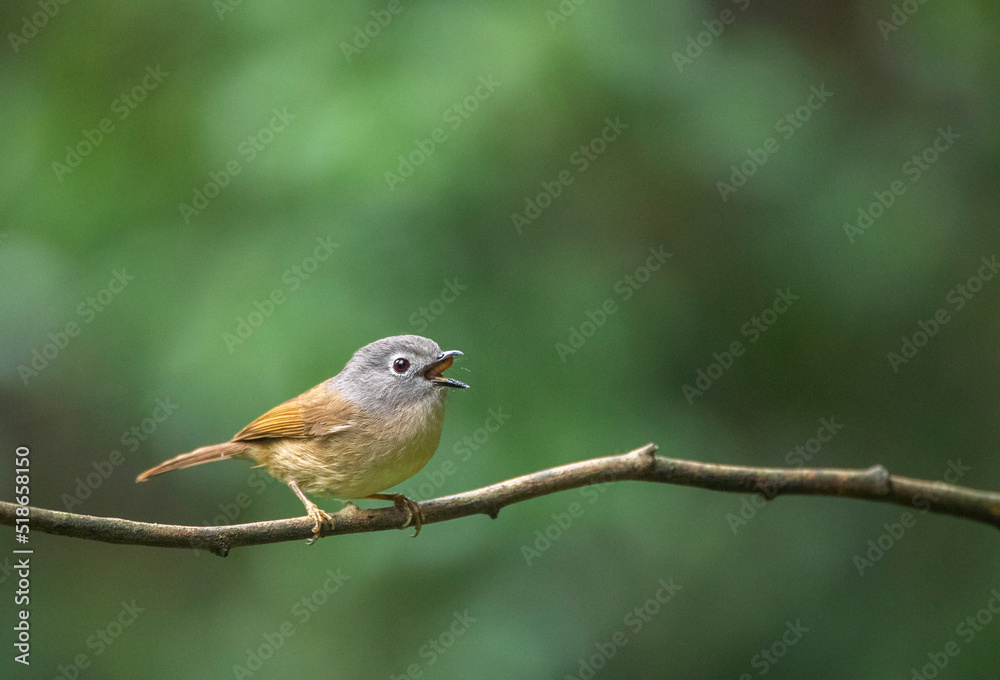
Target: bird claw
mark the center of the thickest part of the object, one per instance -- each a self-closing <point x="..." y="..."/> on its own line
<point x="319" y="517"/>
<point x="414" y="515"/>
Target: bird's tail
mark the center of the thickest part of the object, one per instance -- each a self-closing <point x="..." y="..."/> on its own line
<point x="205" y="454"/>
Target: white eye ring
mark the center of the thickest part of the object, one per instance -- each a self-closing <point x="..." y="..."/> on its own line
<point x="401" y="365"/>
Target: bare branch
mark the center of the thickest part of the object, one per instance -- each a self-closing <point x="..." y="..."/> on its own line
<point x="873" y="484"/>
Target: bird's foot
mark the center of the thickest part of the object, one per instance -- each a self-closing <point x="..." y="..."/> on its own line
<point x="319" y="517"/>
<point x="414" y="515"/>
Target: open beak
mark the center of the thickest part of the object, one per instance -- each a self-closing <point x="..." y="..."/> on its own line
<point x="441" y="364"/>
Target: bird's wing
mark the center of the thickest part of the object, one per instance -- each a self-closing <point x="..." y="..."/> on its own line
<point x="315" y="413"/>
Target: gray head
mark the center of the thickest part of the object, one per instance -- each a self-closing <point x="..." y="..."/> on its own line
<point x="397" y="371"/>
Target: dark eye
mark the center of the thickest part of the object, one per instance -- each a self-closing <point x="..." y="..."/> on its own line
<point x="400" y="365"/>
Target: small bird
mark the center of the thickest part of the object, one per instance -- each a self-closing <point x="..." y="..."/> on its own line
<point x="368" y="428"/>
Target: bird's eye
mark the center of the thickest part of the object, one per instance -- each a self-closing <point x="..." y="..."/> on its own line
<point x="400" y="365"/>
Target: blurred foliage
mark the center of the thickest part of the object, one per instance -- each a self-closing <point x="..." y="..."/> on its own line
<point x="491" y="106"/>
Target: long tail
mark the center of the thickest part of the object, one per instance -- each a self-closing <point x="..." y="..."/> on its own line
<point x="205" y="454"/>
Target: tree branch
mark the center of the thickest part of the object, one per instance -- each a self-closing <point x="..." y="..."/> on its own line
<point x="873" y="484"/>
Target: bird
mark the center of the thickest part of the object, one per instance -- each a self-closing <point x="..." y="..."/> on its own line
<point x="365" y="430"/>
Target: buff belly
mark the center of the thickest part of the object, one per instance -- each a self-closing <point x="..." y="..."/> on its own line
<point x="351" y="464"/>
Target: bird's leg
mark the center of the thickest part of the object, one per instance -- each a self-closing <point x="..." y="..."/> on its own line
<point x="318" y="516"/>
<point x="413" y="512"/>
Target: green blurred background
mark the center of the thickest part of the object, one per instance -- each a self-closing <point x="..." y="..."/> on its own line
<point x="296" y="114"/>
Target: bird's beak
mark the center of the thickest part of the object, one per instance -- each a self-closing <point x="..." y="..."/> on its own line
<point x="441" y="364"/>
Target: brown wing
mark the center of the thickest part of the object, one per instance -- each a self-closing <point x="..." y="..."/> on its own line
<point x="314" y="413"/>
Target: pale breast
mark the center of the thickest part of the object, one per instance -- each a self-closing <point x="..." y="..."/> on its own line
<point x="367" y="458"/>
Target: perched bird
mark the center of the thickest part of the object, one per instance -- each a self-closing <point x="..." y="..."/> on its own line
<point x="368" y="428"/>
